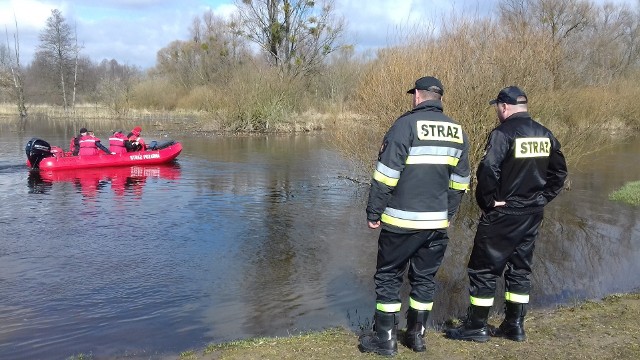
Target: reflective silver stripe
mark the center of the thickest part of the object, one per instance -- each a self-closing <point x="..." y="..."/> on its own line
<point x="116" y="139"/>
<point x="378" y="176"/>
<point x="387" y="171"/>
<point x="415" y="220"/>
<point x="414" y="304"/>
<point x="415" y="215"/>
<point x="460" y="179"/>
<point x="458" y="182"/>
<point x="386" y="175"/>
<point x="91" y="140"/>
<point x="516" y="298"/>
<point x="435" y="150"/>
<point x="434" y="155"/>
<point x="481" y="301"/>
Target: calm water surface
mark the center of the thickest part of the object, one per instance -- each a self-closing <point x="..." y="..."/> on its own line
<point x="245" y="237"/>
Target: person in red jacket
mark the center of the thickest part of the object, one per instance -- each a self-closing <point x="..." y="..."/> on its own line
<point x="89" y="145"/>
<point x="74" y="144"/>
<point x="136" y="140"/>
<point x="117" y="142"/>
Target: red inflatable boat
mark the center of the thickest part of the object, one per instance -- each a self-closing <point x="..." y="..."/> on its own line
<point x="40" y="155"/>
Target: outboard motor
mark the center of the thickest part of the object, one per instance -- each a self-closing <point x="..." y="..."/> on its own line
<point x="154" y="145"/>
<point x="37" y="149"/>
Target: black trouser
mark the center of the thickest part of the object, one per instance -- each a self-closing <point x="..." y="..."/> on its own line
<point x="422" y="251"/>
<point x="503" y="241"/>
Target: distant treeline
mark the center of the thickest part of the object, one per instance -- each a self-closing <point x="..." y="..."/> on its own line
<point x="578" y="61"/>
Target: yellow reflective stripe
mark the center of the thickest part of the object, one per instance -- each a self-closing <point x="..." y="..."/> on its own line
<point x="388" y="307"/>
<point x="416" y="215"/>
<point x="458" y="186"/>
<point x="414" y="224"/>
<point x="516" y="298"/>
<point x="420" y="305"/>
<point x="432" y="159"/>
<point x="481" y="301"/>
<point x="389" y="181"/>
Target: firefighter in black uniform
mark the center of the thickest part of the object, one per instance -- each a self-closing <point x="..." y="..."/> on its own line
<point x="522" y="170"/>
<point x="421" y="175"/>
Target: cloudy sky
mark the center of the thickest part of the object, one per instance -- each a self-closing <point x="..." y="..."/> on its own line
<point x="132" y="31"/>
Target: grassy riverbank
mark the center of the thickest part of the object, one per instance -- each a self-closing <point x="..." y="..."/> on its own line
<point x="629" y="193"/>
<point x="606" y="329"/>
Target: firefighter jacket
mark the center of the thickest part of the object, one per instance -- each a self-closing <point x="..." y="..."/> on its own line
<point x="522" y="166"/>
<point x="117" y="143"/>
<point x="90" y="144"/>
<point x="422" y="171"/>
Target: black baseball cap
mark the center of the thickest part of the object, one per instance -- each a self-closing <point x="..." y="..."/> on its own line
<point x="510" y="95"/>
<point x="428" y="83"/>
<point x="83" y="130"/>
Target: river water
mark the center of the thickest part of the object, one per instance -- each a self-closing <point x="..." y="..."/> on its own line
<point x="247" y="237"/>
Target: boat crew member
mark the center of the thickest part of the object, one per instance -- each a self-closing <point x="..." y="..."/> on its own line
<point x="89" y="145"/>
<point x="136" y="141"/>
<point x="521" y="171"/>
<point x="74" y="144"/>
<point x="117" y="142"/>
<point x="421" y="175"/>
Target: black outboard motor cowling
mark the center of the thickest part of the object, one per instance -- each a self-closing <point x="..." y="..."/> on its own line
<point x="155" y="145"/>
<point x="37" y="149"/>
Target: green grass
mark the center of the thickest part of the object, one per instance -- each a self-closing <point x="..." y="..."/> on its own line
<point x="629" y="193"/>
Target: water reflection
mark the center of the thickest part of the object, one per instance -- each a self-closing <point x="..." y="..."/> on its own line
<point x="90" y="182"/>
<point x="257" y="236"/>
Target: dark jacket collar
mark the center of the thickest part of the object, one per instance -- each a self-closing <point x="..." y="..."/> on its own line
<point x="518" y="115"/>
<point x="429" y="105"/>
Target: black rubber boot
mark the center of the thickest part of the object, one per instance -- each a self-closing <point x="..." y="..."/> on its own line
<point x="414" y="337"/>
<point x="384" y="340"/>
<point x="474" y="328"/>
<point x="512" y="327"/>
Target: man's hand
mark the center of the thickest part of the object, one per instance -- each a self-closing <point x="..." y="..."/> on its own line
<point x="373" y="224"/>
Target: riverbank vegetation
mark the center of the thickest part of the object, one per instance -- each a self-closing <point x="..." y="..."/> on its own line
<point x="578" y="60"/>
<point x="629" y="193"/>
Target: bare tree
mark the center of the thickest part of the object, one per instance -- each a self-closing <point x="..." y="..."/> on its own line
<point x="608" y="48"/>
<point x="296" y="35"/>
<point x="214" y="49"/>
<point x="555" y="20"/>
<point x="116" y="85"/>
<point x="13" y="71"/>
<point x="59" y="51"/>
<point x="76" y="53"/>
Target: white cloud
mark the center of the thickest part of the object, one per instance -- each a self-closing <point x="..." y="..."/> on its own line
<point x="378" y="23"/>
<point x="132" y="31"/>
<point x="30" y="14"/>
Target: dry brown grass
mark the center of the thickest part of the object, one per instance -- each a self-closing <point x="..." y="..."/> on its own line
<point x="604" y="329"/>
<point x="474" y="59"/>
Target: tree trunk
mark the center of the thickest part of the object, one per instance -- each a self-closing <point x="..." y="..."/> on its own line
<point x="18" y="83"/>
